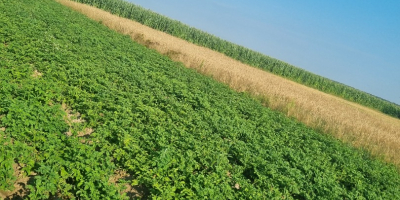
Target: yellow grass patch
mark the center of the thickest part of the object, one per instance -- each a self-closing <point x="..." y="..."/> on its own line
<point x="350" y="122"/>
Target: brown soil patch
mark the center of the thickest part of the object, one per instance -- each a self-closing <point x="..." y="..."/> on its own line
<point x="86" y="131"/>
<point x="71" y="119"/>
<point x="350" y="122"/>
<point x="2" y="129"/>
<point x="122" y="177"/>
<point x="229" y="174"/>
<point x="4" y="136"/>
<point x="36" y="74"/>
<point x="20" y="191"/>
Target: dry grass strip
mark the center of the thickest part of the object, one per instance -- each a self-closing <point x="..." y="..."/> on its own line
<point x="350" y="122"/>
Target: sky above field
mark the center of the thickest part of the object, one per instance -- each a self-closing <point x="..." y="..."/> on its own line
<point x="353" y="42"/>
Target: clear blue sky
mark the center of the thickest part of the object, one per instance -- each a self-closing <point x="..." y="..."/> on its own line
<point x="354" y="42"/>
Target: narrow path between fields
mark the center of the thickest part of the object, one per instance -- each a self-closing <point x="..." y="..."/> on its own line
<point x="350" y="122"/>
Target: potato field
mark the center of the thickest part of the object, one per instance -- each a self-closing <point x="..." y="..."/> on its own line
<point x="85" y="113"/>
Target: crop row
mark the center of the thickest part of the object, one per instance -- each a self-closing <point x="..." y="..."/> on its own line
<point x="256" y="59"/>
<point x="176" y="134"/>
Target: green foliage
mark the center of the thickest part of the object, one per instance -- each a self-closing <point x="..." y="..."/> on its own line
<point x="178" y="29"/>
<point x="180" y="135"/>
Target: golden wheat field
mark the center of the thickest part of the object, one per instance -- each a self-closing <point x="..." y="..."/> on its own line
<point x="350" y="122"/>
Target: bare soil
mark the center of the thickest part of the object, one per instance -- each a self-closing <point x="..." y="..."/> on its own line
<point x="122" y="177"/>
<point x="74" y="118"/>
<point x="36" y="74"/>
<point x="20" y="191"/>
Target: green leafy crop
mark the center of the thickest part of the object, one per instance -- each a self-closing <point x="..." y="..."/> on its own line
<point x="128" y="10"/>
<point x="178" y="134"/>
